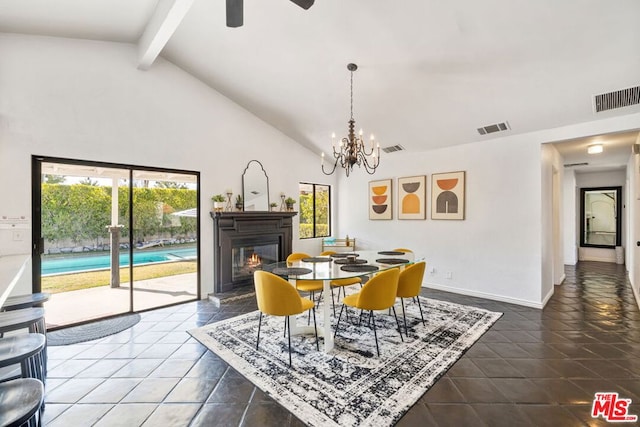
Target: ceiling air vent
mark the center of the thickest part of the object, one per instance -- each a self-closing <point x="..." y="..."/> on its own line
<point x="498" y="127"/>
<point x="569" y="165"/>
<point x="617" y="99"/>
<point x="393" y="148"/>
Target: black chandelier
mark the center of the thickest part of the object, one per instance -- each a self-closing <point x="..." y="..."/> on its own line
<point x="351" y="150"/>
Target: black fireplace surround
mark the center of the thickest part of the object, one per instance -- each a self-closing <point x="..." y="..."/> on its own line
<point x="240" y="229"/>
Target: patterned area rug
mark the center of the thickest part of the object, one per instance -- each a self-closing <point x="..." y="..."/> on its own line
<point x="350" y="386"/>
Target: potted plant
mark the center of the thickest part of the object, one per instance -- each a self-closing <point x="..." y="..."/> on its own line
<point x="218" y="202"/>
<point x="239" y="203"/>
<point x="273" y="206"/>
<point x="289" y="202"/>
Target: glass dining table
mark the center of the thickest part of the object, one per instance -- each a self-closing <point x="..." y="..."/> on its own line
<point x="343" y="265"/>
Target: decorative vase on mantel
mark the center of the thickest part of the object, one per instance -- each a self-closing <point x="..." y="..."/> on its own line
<point x="290" y="202"/>
<point x="218" y="202"/>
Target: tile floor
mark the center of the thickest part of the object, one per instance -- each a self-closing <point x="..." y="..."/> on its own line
<point x="533" y="368"/>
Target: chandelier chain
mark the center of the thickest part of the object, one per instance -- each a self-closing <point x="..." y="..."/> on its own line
<point x="352" y="95"/>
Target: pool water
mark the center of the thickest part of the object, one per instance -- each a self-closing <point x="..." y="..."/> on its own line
<point x="74" y="264"/>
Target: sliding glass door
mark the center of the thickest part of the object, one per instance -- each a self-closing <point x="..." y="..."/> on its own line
<point x="111" y="239"/>
<point x="164" y="239"/>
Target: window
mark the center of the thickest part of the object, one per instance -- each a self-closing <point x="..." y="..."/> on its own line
<point x="315" y="210"/>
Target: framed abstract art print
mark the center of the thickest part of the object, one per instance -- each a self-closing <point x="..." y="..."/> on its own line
<point x="380" y="199"/>
<point x="447" y="195"/>
<point x="412" y="197"/>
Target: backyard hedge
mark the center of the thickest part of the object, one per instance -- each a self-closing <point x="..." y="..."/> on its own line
<point x="80" y="213"/>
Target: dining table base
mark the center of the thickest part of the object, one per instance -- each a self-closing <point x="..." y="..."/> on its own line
<point x="325" y="329"/>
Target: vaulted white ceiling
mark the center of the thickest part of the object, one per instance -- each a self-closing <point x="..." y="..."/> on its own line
<point x="430" y="72"/>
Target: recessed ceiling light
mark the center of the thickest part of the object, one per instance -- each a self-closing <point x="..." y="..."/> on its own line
<point x="594" y="149"/>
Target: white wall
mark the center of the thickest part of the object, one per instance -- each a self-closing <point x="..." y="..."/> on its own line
<point x="86" y="100"/>
<point x="600" y="179"/>
<point x="569" y="218"/>
<point x="633" y="252"/>
<point x="495" y="251"/>
<point x="552" y="267"/>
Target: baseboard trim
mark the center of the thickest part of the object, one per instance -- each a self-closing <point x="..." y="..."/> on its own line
<point x="598" y="259"/>
<point x="636" y="295"/>
<point x="564" y="276"/>
<point x="485" y="295"/>
<point x="547" y="297"/>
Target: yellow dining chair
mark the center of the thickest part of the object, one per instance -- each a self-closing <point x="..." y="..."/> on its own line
<point x="311" y="286"/>
<point x="277" y="297"/>
<point x="409" y="286"/>
<point x="340" y="283"/>
<point x="379" y="293"/>
<point x="403" y="250"/>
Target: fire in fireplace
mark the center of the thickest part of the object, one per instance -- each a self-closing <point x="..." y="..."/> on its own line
<point x="247" y="259"/>
<point x="254" y="260"/>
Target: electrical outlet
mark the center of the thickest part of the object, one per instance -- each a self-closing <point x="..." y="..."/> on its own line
<point x="18" y="235"/>
<point x="448" y="275"/>
<point x="432" y="270"/>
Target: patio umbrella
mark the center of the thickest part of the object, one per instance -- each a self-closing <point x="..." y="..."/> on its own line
<point x="192" y="213"/>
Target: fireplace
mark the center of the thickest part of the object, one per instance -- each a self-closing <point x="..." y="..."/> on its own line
<point x="246" y="241"/>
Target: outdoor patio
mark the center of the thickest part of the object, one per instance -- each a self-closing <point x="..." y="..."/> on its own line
<point x="86" y="304"/>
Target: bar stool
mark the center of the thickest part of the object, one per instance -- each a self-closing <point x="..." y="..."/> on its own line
<point x="20" y="402"/>
<point x="31" y="318"/>
<point x="27" y="350"/>
<point x="25" y="301"/>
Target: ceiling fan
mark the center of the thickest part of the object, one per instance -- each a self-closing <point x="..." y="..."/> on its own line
<point x="235" y="15"/>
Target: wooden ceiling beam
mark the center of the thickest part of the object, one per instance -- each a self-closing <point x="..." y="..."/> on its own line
<point x="164" y="22"/>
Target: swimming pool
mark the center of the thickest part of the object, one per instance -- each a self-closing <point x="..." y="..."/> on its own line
<point x="74" y="264"/>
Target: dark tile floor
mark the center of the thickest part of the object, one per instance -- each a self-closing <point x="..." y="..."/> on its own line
<point x="533" y="368"/>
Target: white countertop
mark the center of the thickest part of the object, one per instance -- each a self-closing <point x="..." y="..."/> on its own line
<point x="11" y="268"/>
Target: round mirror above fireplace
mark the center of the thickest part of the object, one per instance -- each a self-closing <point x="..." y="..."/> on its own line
<point x="255" y="187"/>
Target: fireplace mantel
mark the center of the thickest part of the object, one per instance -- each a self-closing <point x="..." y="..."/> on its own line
<point x="233" y="228"/>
